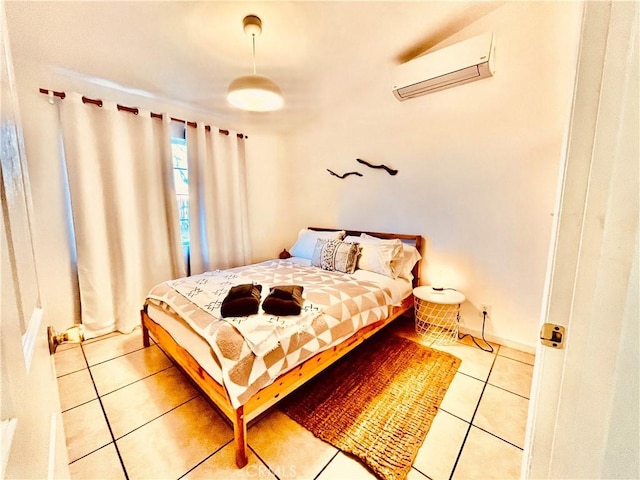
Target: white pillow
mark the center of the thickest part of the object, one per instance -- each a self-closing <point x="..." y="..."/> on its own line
<point x="380" y="256"/>
<point x="306" y="242"/>
<point x="410" y="257"/>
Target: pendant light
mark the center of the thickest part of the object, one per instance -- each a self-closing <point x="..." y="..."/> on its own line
<point x="254" y="92"/>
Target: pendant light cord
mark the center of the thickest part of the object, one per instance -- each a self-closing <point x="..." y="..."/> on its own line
<point x="253" y="37"/>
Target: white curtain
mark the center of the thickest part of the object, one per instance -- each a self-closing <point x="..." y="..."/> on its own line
<point x="218" y="215"/>
<point x="124" y="210"/>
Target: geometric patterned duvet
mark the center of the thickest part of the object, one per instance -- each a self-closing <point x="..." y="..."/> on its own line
<point x="252" y="351"/>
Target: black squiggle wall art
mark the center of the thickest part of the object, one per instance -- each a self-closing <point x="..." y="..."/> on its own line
<point x="390" y="171"/>
<point x="344" y="175"/>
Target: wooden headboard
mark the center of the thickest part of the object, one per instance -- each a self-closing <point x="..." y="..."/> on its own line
<point x="415" y="240"/>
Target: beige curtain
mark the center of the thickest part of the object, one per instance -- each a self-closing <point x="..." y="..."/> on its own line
<point x="217" y="200"/>
<point x="124" y="210"/>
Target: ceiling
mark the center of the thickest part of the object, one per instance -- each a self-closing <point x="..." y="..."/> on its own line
<point x="188" y="52"/>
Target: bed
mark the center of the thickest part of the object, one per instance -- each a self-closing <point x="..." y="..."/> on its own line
<point x="245" y="365"/>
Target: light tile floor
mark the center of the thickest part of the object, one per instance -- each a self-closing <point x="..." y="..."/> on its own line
<point x="128" y="412"/>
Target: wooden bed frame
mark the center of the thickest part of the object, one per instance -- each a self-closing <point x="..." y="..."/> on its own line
<point x="285" y="383"/>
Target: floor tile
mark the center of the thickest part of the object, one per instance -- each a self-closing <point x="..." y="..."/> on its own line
<point x="223" y="465"/>
<point x="475" y="362"/>
<point x="75" y="389"/>
<point x="285" y="445"/>
<point x="512" y="375"/>
<point x="66" y="346"/>
<point x="440" y="449"/>
<point x="462" y="396"/>
<point x="85" y="429"/>
<point x="134" y="405"/>
<point x="124" y="370"/>
<point x="101" y="337"/>
<point x="68" y="361"/>
<point x="504" y="414"/>
<point x="416" y="475"/>
<point x="343" y="466"/>
<point x="487" y="457"/>
<point x="523" y="357"/>
<point x="107" y="348"/>
<point x="175" y="443"/>
<point x="103" y="464"/>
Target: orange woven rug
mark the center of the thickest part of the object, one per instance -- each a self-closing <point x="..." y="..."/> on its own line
<point x="377" y="403"/>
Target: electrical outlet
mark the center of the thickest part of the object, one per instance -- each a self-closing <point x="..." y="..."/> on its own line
<point x="485" y="307"/>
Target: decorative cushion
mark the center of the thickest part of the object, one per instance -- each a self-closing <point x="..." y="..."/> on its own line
<point x="334" y="255"/>
<point x="306" y="241"/>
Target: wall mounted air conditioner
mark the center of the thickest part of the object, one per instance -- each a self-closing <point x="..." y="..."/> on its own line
<point x="457" y="64"/>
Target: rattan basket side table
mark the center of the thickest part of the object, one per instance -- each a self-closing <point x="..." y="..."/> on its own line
<point x="437" y="314"/>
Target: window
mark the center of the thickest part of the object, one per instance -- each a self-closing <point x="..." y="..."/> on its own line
<point x="181" y="181"/>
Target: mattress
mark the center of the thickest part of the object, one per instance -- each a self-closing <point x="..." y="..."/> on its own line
<point x="184" y="336"/>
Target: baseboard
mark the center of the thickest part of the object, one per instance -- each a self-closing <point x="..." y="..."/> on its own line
<point x="531" y="349"/>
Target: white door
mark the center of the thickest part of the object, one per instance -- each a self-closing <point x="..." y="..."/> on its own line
<point x="585" y="408"/>
<point x="32" y="440"/>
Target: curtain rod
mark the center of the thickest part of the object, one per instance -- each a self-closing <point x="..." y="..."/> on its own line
<point x="135" y="111"/>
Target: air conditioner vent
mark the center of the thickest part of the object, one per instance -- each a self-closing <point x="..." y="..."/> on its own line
<point x="457" y="64"/>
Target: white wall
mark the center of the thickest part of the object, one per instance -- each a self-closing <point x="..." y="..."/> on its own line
<point x="477" y="165"/>
<point x="270" y="206"/>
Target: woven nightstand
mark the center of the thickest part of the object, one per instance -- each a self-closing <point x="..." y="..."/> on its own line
<point x="437" y="314"/>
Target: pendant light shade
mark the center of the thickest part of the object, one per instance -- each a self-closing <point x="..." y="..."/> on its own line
<point x="254" y="92"/>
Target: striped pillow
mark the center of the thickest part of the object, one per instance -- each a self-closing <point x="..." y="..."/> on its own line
<point x="335" y="255"/>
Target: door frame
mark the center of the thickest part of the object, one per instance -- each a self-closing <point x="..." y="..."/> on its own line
<point x="577" y="411"/>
